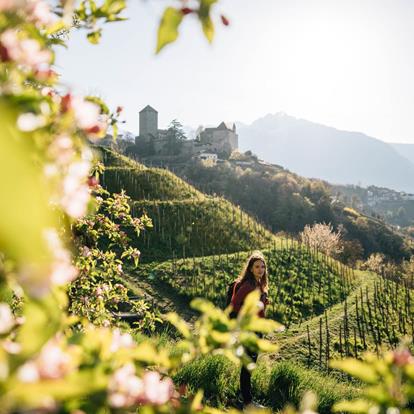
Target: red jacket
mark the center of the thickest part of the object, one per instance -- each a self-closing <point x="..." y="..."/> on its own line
<point x="240" y="291"/>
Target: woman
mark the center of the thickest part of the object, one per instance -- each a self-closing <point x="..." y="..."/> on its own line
<point x="253" y="277"/>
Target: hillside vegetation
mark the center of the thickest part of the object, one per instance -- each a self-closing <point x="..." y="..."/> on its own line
<point x="199" y="244"/>
<point x="185" y="221"/>
<point x="286" y="202"/>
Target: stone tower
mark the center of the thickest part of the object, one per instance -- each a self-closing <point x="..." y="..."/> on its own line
<point x="148" y="123"/>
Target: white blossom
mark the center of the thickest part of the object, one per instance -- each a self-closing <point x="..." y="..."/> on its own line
<point x="29" y="122"/>
<point x="86" y="113"/>
<point x="39" y="12"/>
<point x="6" y="318"/>
<point x="76" y="193"/>
<point x="157" y="391"/>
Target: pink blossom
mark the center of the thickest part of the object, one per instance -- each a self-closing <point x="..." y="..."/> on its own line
<point x="62" y="270"/>
<point x="157" y="391"/>
<point x="52" y="363"/>
<point x="6" y="318"/>
<point x="7" y="5"/>
<point x="402" y="357"/>
<point x="61" y="150"/>
<point x="32" y="277"/>
<point x="121" y="340"/>
<point x="27" y="52"/>
<point x="124" y="387"/>
<point x="135" y="253"/>
<point x="12" y="347"/>
<point x="86" y="251"/>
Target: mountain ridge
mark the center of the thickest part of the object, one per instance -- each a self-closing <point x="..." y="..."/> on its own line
<point x="318" y="151"/>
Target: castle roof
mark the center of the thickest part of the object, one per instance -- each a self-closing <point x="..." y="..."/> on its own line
<point x="230" y="126"/>
<point x="148" y="108"/>
<point x="227" y="125"/>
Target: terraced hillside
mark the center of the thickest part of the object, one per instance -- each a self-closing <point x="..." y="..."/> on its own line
<point x="199" y="244"/>
<point x="186" y="222"/>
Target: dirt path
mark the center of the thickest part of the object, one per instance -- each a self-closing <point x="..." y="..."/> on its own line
<point x="160" y="295"/>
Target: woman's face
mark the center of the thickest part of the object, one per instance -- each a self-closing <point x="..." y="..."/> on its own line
<point x="258" y="269"/>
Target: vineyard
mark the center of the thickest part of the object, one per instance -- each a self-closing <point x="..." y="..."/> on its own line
<point x="199" y="243"/>
<point x="302" y="283"/>
<point x="186" y="223"/>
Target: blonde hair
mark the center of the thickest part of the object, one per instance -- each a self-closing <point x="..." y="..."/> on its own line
<point x="247" y="275"/>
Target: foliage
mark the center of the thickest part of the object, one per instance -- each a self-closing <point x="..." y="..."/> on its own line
<point x="287" y="202"/>
<point x="103" y="250"/>
<point x="175" y="137"/>
<point x="388" y="382"/>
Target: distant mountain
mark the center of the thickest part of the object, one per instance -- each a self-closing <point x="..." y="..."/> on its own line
<point x="318" y="151"/>
<point x="406" y="150"/>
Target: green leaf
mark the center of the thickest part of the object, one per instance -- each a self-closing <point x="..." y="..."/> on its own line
<point x="56" y="27"/>
<point x="168" y="28"/>
<point x="179" y="323"/>
<point x="204" y="16"/>
<point x="77" y="384"/>
<point x="196" y="403"/>
<point x="266" y="346"/>
<point x="208" y="28"/>
<point x="251" y="305"/>
<point x="220" y="337"/>
<point x="94" y="37"/>
<point x="43" y="319"/>
<point x="203" y="306"/>
<point x="114" y="6"/>
<point x="358" y="369"/>
<point x="355" y="406"/>
<point x="24" y="208"/>
<point x="98" y="101"/>
<point x="262" y="325"/>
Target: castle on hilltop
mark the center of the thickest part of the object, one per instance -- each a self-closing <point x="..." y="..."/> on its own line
<point x="222" y="140"/>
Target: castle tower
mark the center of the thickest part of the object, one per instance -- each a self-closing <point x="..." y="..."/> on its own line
<point x="148" y="123"/>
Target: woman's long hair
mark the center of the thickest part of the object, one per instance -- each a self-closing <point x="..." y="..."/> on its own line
<point x="247" y="275"/>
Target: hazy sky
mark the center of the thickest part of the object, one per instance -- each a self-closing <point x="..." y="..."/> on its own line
<point x="343" y="63"/>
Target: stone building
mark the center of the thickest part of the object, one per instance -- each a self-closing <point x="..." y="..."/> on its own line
<point x="222" y="140"/>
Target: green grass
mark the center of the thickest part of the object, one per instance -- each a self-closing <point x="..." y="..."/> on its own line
<point x="274" y="386"/>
